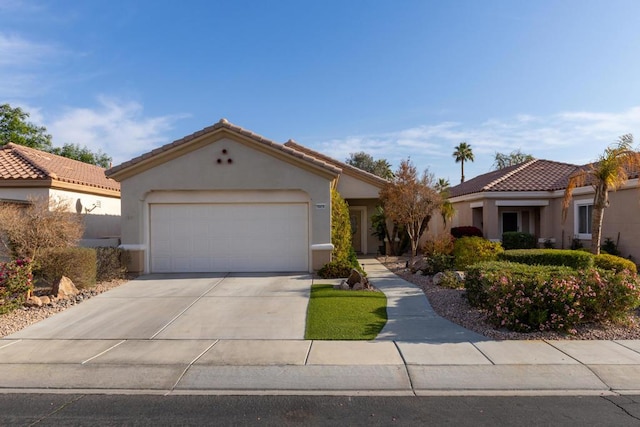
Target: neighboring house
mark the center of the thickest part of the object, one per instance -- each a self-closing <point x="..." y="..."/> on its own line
<point x="528" y="198"/>
<point x="228" y="200"/>
<point x="27" y="173"/>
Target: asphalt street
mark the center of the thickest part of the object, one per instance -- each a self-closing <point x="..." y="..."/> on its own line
<point x="157" y="410"/>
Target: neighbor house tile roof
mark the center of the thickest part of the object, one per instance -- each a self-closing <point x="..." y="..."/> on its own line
<point x="23" y="164"/>
<point x="223" y="124"/>
<point x="344" y="166"/>
<point x="535" y="175"/>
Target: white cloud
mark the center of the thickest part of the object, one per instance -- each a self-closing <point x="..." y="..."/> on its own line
<point x="118" y="128"/>
<point x="573" y="137"/>
<point x="20" y="52"/>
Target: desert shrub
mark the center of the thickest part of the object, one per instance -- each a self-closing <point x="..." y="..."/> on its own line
<point x="16" y="280"/>
<point x="470" y="250"/>
<point x="569" y="258"/>
<point x="518" y="240"/>
<point x="612" y="262"/>
<point x="528" y="298"/>
<point x="451" y="280"/>
<point x="111" y="263"/>
<point x="44" y="223"/>
<point x="439" y="245"/>
<point x="78" y="264"/>
<point x="437" y="263"/>
<point x="335" y="270"/>
<point x="610" y="247"/>
<point x="466" y="231"/>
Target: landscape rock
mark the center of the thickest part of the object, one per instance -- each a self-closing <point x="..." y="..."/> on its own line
<point x="33" y="301"/>
<point x="64" y="288"/>
<point x="354" y="277"/>
<point x="437" y="278"/>
<point x="418" y="263"/>
<point x="45" y="300"/>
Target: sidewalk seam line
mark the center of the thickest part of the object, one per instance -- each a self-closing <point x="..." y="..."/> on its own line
<point x="188" y="307"/>
<point x="12" y="343"/>
<point x="406" y="368"/>
<point x="482" y="352"/>
<point x="306" y="358"/>
<point x="184" y="372"/>
<point x="103" y="352"/>
<point x="624" y="346"/>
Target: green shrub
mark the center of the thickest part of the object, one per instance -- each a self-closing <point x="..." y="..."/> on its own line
<point x="111" y="263"/>
<point x="340" y="228"/>
<point x="518" y="240"/>
<point x="565" y="257"/>
<point x="78" y="264"/>
<point x="612" y="262"/>
<point x="610" y="247"/>
<point x="335" y="270"/>
<point x="437" y="263"/>
<point x="470" y="250"/>
<point x="16" y="280"/>
<point x="451" y="280"/>
<point x="528" y="298"/>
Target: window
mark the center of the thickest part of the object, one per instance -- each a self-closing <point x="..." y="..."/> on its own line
<point x="584" y="214"/>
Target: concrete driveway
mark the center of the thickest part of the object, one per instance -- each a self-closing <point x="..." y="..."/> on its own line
<point x="187" y="306"/>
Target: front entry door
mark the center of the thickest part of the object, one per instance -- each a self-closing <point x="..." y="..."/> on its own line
<point x="356" y="230"/>
<point x="509" y="221"/>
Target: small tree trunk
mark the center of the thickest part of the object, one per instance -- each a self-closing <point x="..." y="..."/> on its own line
<point x="600" y="203"/>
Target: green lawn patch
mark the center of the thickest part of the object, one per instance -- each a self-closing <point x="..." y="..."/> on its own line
<point x="345" y="315"/>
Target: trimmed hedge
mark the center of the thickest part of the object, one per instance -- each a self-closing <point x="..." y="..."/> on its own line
<point x="335" y="270"/>
<point x="78" y="264"/>
<point x="466" y="231"/>
<point x="518" y="240"/>
<point x="561" y="257"/>
<point x="470" y="250"/>
<point x="612" y="262"/>
<point x="528" y="298"/>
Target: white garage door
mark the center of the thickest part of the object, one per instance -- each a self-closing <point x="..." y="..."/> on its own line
<point x="229" y="237"/>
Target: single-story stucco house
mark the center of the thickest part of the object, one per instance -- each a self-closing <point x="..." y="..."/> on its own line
<point x="225" y="199"/>
<point x="27" y="173"/>
<point x="528" y="198"/>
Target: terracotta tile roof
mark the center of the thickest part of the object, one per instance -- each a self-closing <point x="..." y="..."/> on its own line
<point x="535" y="175"/>
<point x="20" y="163"/>
<point x="223" y="124"/>
<point x="344" y="166"/>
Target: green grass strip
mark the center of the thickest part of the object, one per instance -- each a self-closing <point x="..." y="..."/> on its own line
<point x="345" y="315"/>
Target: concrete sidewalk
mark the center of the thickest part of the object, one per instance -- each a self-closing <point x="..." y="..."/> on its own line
<point x="418" y="353"/>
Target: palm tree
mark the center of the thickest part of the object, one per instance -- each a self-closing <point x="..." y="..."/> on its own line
<point x="446" y="209"/>
<point x="463" y="153"/>
<point x="610" y="172"/>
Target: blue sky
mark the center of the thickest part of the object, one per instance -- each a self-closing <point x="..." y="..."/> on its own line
<point x="559" y="79"/>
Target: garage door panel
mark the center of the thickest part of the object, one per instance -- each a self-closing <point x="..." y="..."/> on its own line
<point x="229" y="237"/>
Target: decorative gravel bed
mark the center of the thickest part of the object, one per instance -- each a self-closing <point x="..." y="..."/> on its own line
<point x="23" y="317"/>
<point x="452" y="305"/>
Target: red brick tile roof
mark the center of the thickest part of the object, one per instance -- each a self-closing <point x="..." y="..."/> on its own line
<point x="223" y="124"/>
<point x="19" y="164"/>
<point x="535" y="175"/>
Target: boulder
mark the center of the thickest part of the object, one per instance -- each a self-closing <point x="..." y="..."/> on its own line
<point x="33" y="301"/>
<point x="45" y="300"/>
<point x="437" y="278"/>
<point x="64" y="288"/>
<point x="418" y="263"/>
<point x="354" y="277"/>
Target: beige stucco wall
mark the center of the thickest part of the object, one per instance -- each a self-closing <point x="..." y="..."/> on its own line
<point x="350" y="187"/>
<point x="249" y="169"/>
<point x="101" y="222"/>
